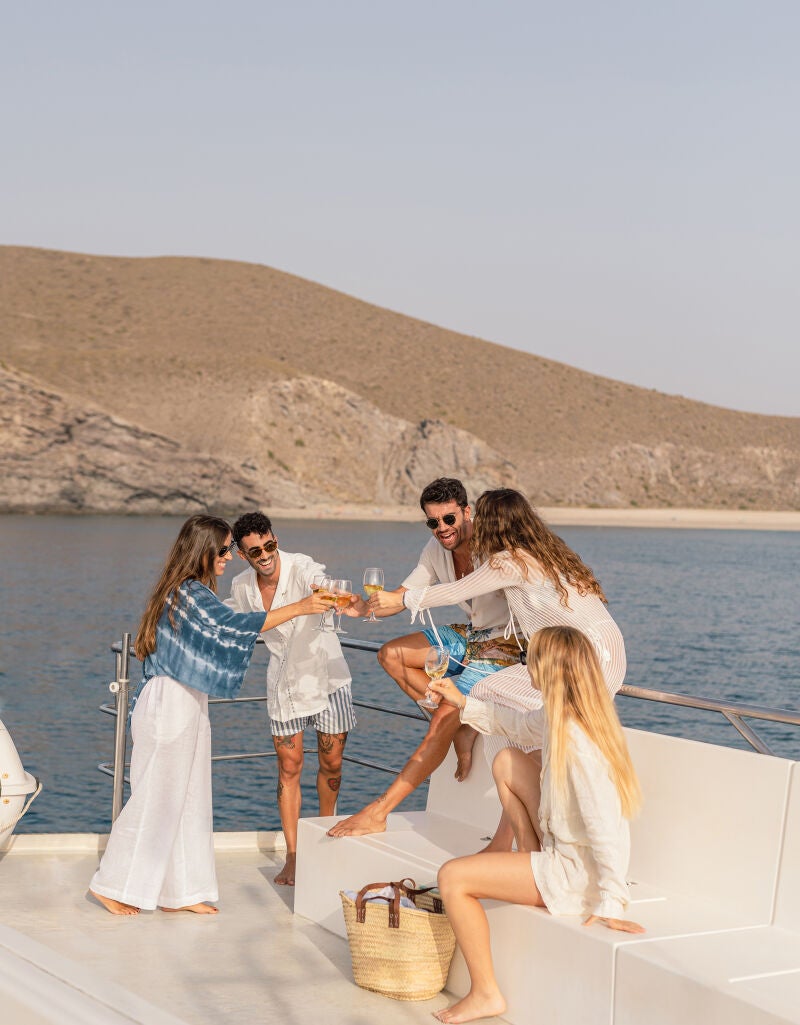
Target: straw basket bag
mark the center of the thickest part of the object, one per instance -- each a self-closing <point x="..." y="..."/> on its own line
<point x="402" y="952"/>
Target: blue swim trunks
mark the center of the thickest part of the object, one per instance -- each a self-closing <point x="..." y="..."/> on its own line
<point x="465" y="646"/>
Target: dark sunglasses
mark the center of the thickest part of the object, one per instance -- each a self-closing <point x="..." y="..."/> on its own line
<point x="228" y="548"/>
<point x="433" y="522"/>
<point x="267" y="549"/>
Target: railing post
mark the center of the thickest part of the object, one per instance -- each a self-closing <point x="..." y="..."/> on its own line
<point x="120" y="688"/>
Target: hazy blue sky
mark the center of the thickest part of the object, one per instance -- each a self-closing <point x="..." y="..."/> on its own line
<point x="611" y="184"/>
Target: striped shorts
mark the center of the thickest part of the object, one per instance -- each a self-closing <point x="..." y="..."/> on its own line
<point x="338" y="717"/>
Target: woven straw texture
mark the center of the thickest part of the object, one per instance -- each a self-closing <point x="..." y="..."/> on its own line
<point x="407" y="963"/>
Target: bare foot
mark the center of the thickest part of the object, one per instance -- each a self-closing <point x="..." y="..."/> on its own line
<point x="473" y="1006"/>
<point x="463" y="743"/>
<point x="197" y="909"/>
<point x="368" y="820"/>
<point x="503" y="840"/>
<point x="286" y="875"/>
<point x="116" y="907"/>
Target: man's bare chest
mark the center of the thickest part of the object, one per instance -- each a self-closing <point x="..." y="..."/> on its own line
<point x="267" y="592"/>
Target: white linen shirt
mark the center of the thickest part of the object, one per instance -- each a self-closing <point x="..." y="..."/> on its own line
<point x="487" y="611"/>
<point x="534" y="602"/>
<point x="306" y="665"/>
<point x="585" y="838"/>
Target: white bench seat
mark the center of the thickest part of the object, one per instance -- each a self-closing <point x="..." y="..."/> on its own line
<point x="415" y="844"/>
<point x="704" y="873"/>
<point x="737" y="977"/>
<point x="742" y="976"/>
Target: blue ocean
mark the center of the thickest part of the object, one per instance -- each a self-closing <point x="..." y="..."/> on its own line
<point x="713" y="613"/>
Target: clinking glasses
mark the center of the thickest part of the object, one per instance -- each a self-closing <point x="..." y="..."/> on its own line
<point x="433" y="522"/>
<point x="267" y="549"/>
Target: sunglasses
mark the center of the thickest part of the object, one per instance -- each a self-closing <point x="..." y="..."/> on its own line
<point x="228" y="548"/>
<point x="267" y="549"/>
<point x="449" y="519"/>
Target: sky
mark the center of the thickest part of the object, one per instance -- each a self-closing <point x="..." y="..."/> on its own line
<point x="613" y="185"/>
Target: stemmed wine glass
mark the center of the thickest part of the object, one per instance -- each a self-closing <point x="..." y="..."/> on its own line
<point x="373" y="581"/>
<point x="436" y="662"/>
<point x="343" y="591"/>
<point x="322" y="583"/>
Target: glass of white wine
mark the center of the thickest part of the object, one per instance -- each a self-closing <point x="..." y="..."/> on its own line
<point x="321" y="585"/>
<point x="342" y="591"/>
<point x="373" y="581"/>
<point x="436" y="662"/>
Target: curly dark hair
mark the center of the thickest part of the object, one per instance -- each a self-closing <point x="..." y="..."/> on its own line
<point x="444" y="489"/>
<point x="251" y="523"/>
<point x="506" y="521"/>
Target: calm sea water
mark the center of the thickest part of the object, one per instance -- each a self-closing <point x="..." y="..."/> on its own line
<point x="713" y="613"/>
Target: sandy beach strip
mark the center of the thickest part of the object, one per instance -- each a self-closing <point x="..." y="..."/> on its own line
<point x="692" y="519"/>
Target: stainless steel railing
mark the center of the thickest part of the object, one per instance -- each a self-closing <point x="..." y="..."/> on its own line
<point x="119" y="686"/>
<point x="735" y="714"/>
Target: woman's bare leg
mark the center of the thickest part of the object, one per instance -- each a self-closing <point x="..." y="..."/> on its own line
<point x="517" y="777"/>
<point x="463" y="882"/>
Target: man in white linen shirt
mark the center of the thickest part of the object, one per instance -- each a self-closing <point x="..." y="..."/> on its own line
<point x="480" y="643"/>
<point x="308" y="682"/>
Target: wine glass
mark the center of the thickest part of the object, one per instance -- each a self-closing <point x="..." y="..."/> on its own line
<point x="373" y="581"/>
<point x="343" y="591"/>
<point x="321" y="584"/>
<point x="436" y="662"/>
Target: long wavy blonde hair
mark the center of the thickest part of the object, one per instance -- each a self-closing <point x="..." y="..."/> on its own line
<point x="506" y="521"/>
<point x="192" y="558"/>
<point x="563" y="665"/>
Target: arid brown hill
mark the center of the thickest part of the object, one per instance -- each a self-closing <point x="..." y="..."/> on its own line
<point x="300" y="393"/>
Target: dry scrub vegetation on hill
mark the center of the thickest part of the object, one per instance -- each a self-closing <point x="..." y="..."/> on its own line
<point x="178" y="383"/>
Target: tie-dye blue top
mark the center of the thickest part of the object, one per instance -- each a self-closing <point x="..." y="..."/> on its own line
<point x="211" y="648"/>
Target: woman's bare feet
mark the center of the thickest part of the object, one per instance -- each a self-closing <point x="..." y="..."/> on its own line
<point x="197" y="909"/>
<point x="116" y="907"/>
<point x="474" y="1005"/>
<point x="503" y="840"/>
<point x="463" y="743"/>
<point x="286" y="875"/>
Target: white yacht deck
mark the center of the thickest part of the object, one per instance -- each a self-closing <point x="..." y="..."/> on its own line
<point x="64" y="959"/>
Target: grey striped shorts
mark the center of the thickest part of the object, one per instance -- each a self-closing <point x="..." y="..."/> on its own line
<point x="338" y="717"/>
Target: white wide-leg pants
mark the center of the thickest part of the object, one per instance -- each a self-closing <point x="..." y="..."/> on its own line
<point x="161" y="848"/>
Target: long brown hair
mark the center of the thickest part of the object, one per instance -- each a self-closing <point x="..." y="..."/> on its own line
<point x="192" y="558"/>
<point x="563" y="665"/>
<point x="506" y="521"/>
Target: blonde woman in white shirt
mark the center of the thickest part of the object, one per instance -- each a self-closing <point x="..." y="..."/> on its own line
<point x="589" y="791"/>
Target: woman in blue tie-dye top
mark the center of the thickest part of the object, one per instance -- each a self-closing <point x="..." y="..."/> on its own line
<point x="161" y="852"/>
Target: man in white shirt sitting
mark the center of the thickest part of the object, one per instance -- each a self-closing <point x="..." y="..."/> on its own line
<point x="479" y="643"/>
<point x="308" y="682"/>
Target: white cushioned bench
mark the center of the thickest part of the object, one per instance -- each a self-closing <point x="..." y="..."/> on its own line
<point x="744" y="976"/>
<point x="705" y="858"/>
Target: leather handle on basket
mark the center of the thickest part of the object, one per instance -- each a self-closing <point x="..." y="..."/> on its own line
<point x="399" y="889"/>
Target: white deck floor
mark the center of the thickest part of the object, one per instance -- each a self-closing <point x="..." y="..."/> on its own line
<point x="254" y="962"/>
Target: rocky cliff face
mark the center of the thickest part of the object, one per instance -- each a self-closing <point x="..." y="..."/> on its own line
<point x="344" y="447"/>
<point x="57" y="455"/>
<point x="166" y="384"/>
<point x="748" y="477"/>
